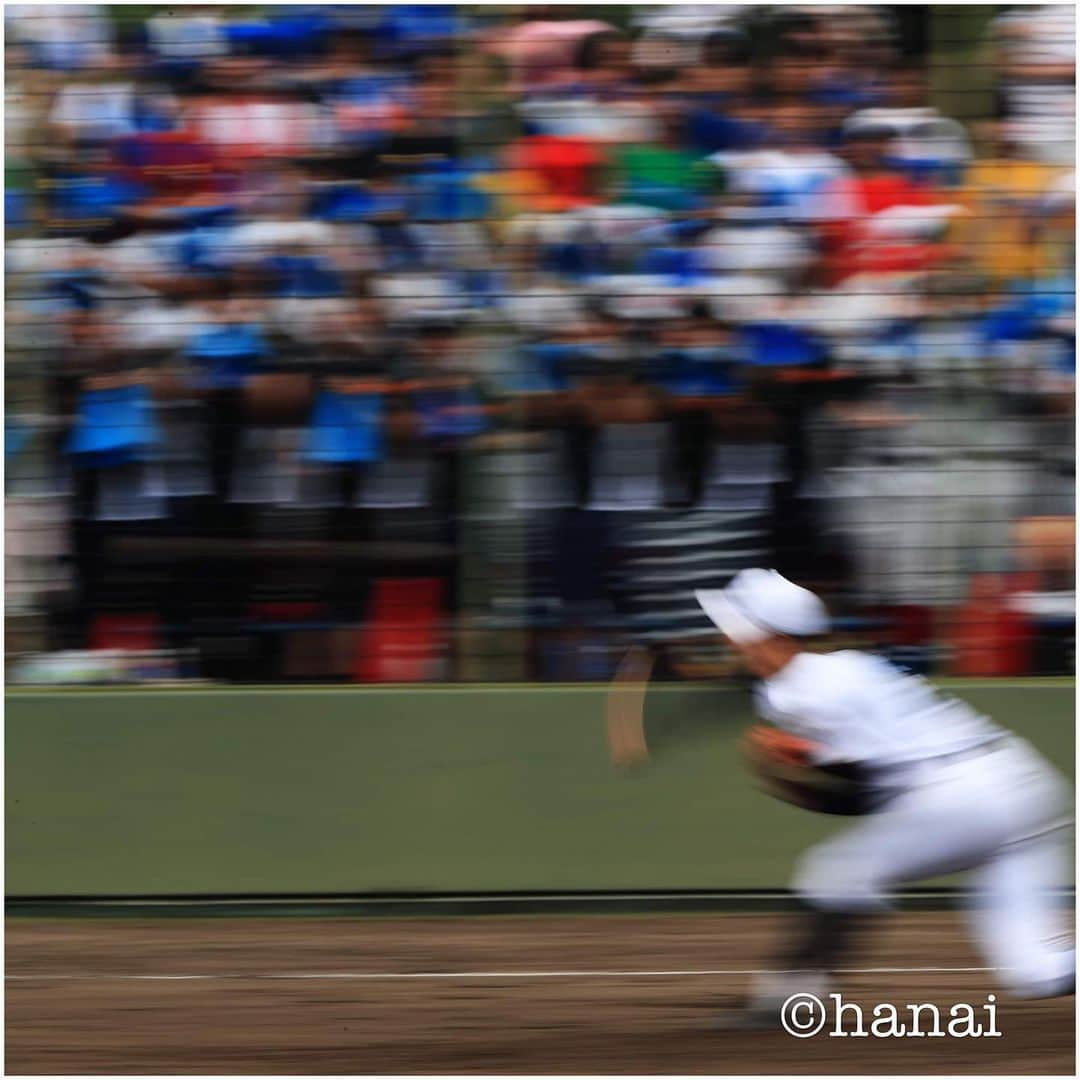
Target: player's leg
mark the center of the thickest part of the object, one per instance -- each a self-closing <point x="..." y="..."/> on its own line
<point x="843" y="882"/>
<point x="999" y="814"/>
<point x="932" y="829"/>
<point x="968" y="816"/>
<point x="823" y="938"/>
<point x="1016" y="917"/>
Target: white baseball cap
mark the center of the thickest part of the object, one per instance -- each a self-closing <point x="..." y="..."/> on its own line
<point x="758" y="604"/>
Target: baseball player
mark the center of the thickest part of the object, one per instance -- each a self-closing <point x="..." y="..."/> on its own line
<point x="937" y="787"/>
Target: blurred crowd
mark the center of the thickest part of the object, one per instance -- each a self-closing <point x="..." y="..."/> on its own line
<point x="398" y="342"/>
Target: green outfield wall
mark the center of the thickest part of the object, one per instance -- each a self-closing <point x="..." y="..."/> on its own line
<point x="335" y="790"/>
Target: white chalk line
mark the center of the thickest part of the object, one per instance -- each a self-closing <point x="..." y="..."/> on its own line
<point x="374" y="976"/>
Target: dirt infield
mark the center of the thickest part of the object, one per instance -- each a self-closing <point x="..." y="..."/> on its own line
<point x="629" y="997"/>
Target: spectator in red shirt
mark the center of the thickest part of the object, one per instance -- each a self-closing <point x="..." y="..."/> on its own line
<point x="570" y="168"/>
<point x="878" y="220"/>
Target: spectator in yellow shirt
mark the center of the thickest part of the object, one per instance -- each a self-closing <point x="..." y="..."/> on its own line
<point x="1006" y="230"/>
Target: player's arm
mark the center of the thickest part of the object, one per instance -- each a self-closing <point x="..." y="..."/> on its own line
<point x="801" y="759"/>
<point x="785" y="767"/>
<point x="625" y="708"/>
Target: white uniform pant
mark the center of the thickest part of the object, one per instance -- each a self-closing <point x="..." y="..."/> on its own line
<point x="1000" y="814"/>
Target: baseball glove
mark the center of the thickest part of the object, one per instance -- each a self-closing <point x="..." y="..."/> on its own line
<point x="784" y="766"/>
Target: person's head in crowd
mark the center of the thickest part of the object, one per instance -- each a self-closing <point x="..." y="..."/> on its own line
<point x="232" y="298"/>
<point x="794" y="125"/>
<point x="274" y="187"/>
<point x="866" y="148"/>
<point x="798" y="32"/>
<point x="661" y="58"/>
<point x="17" y="58"/>
<point x="727" y="47"/>
<point x="548" y="13"/>
<point x="906" y="87"/>
<point x="436" y="90"/>
<point x="951" y="292"/>
<point x="694" y="329"/>
<point x="294" y="184"/>
<point x="604" y="58"/>
<point x="801" y="53"/>
<point x="748" y="110"/>
<point x="356" y="326"/>
<point x="831" y="114"/>
<point x="725" y="64"/>
<point x="438" y="65"/>
<point x="383" y="179"/>
<point x="484" y="74"/>
<point x="861" y="40"/>
<point x="595" y="341"/>
<point x="97" y="342"/>
<point x="594" y="327"/>
<point x="350" y="51"/>
<point x="230" y="76"/>
<point x="667" y="111"/>
<point x="436" y="344"/>
<point x="159" y="108"/>
<point x="793" y="77"/>
<point x="997" y="138"/>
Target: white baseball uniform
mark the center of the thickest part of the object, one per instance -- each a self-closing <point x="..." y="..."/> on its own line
<point x="958" y="792"/>
<point x="962" y="794"/>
